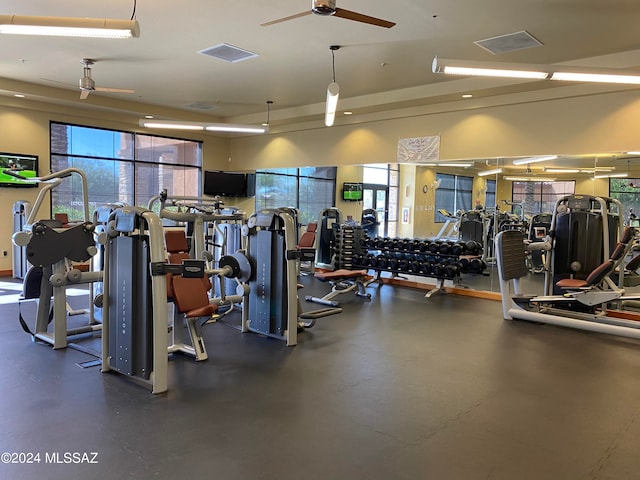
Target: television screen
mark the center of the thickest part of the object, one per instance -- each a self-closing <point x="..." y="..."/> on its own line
<point x="224" y="184"/>
<point x="17" y="169"/>
<point x="352" y="192"/>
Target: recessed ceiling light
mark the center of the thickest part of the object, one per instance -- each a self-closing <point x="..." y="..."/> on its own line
<point x="348" y="113"/>
<point x="467" y="95"/>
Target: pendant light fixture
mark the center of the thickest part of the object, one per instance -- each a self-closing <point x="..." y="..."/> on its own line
<point x="333" y="91"/>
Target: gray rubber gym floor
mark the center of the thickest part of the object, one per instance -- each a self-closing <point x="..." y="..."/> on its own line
<point x="398" y="387"/>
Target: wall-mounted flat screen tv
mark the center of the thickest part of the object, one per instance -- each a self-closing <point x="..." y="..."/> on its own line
<point x="225" y="184"/>
<point x="352" y="192"/>
<point x="16" y="170"/>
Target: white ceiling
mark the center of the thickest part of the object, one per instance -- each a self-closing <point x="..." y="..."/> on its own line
<point x="294" y="63"/>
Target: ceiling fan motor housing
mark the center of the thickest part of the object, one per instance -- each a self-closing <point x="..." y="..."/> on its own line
<point x="87" y="83"/>
<point x="324" y="7"/>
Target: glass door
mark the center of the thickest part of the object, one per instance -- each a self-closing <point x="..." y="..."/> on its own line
<point x="375" y="197"/>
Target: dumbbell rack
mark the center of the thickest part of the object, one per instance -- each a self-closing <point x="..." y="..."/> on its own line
<point x="434" y="259"/>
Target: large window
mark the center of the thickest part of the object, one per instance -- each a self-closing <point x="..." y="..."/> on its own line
<point x="121" y="167"/>
<point x="627" y="191"/>
<point x="454" y="193"/>
<point x="310" y="190"/>
<point x="541" y="197"/>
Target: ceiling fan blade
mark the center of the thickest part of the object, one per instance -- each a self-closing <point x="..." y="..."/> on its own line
<point x="359" y="17"/>
<point x="297" y="15"/>
<point x="84" y="94"/>
<point x="114" y="90"/>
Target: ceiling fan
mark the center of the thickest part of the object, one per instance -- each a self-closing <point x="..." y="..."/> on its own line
<point x="88" y="85"/>
<point x="327" y="8"/>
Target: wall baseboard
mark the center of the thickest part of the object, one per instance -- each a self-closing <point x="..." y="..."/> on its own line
<point x="6" y="273"/>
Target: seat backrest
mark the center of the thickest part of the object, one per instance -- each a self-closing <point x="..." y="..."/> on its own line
<point x="188" y="293"/>
<point x="63" y="218"/>
<point x="618" y="251"/>
<point x="307" y="240"/>
<point x="176" y="241"/>
<point x="627" y="234"/>
<point x="177" y="248"/>
<point x="633" y="264"/>
<point x="601" y="271"/>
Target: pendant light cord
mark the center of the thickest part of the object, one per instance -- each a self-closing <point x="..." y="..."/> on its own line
<point x="133" y="14"/>
<point x="333" y="64"/>
<point x="333" y="48"/>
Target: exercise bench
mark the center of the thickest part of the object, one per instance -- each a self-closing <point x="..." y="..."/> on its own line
<point x="342" y="281"/>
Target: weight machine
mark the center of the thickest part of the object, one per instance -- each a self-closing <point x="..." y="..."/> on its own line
<point x="273" y="307"/>
<point x="51" y="250"/>
<point x="580" y="300"/>
<point x="134" y="340"/>
<point x="216" y="231"/>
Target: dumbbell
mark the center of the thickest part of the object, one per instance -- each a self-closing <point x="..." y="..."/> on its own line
<point x="426" y="267"/>
<point x="477" y="265"/>
<point x="403" y="265"/>
<point x="393" y="263"/>
<point x="464" y="264"/>
<point x="423" y="246"/>
<point x="383" y="262"/>
<point x="366" y="260"/>
<point x="452" y="269"/>
<point x="445" y="248"/>
<point x="458" y="248"/>
<point x="473" y="247"/>
<point x="437" y="269"/>
<point x="415" y="266"/>
<point x="409" y="245"/>
<point x="434" y="246"/>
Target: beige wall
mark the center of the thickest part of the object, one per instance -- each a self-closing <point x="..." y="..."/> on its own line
<point x="570" y="126"/>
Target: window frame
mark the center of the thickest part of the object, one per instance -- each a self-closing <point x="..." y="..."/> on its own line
<point x="129" y="161"/>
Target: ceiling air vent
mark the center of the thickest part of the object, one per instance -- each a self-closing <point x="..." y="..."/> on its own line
<point x="228" y="53"/>
<point x="508" y="43"/>
<point x="201" y="106"/>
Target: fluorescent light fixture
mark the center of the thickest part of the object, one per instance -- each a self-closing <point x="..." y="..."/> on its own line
<point x="597" y="169"/>
<point x="525" y="161"/>
<point x="612" y="175"/>
<point x="455" y="164"/>
<point x="494" y="171"/>
<point x="227" y="127"/>
<point x="333" y="92"/>
<point x="534" y="72"/>
<point x="208" y="126"/>
<point x="69" y="26"/>
<point x="460" y="67"/>
<point x="596" y="77"/>
<point x="633" y="153"/>
<point x="529" y="179"/>
<point x="562" y="170"/>
<point x="170" y="125"/>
